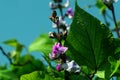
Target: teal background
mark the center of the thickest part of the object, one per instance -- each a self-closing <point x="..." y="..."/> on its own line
<point x="24" y="20"/>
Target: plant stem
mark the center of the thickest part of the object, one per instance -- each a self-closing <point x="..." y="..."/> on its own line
<point x="61" y="12"/>
<point x="115" y="22"/>
<point x="10" y="60"/>
<point x="66" y="75"/>
<point x="58" y="29"/>
<point x="85" y="74"/>
<point x="105" y="19"/>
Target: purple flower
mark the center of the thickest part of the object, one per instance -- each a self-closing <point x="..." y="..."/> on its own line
<point x="70" y="66"/>
<point x="70" y="13"/>
<point x="73" y="67"/>
<point x="58" y="67"/>
<point x="57" y="50"/>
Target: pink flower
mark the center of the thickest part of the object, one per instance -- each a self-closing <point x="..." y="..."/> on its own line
<point x="70" y="13"/>
<point x="57" y="50"/>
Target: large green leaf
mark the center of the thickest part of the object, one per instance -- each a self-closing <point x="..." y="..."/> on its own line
<point x="43" y="44"/>
<point x="33" y="76"/>
<point x="117" y="48"/>
<point x="7" y="75"/>
<point x="38" y="75"/>
<point x="89" y="41"/>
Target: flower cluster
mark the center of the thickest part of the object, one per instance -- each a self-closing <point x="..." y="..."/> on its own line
<point x="58" y="50"/>
<point x="58" y="53"/>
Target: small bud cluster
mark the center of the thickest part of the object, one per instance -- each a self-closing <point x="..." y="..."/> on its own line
<point x="58" y="50"/>
<point x="58" y="4"/>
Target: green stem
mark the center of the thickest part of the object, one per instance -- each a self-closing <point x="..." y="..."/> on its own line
<point x="61" y="12"/>
<point x="114" y="19"/>
<point x="105" y="19"/>
<point x="85" y="74"/>
<point x="6" y="55"/>
<point x="58" y="29"/>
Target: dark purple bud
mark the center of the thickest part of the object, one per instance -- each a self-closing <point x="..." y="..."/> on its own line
<point x="70" y="13"/>
<point x="58" y="67"/>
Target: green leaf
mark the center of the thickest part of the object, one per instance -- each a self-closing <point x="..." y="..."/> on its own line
<point x="7" y="75"/>
<point x="100" y="74"/>
<point x="117" y="48"/>
<point x="115" y="65"/>
<point x="3" y="67"/>
<point x="12" y="42"/>
<point x="43" y="44"/>
<point x="36" y="75"/>
<point x="27" y="64"/>
<point x="118" y="78"/>
<point x="18" y="48"/>
<point x="100" y="5"/>
<point x="78" y="77"/>
<point x="89" y="41"/>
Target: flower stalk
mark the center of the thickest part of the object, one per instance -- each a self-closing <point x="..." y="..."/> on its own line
<point x="115" y="22"/>
<point x="58" y="50"/>
<point x="5" y="54"/>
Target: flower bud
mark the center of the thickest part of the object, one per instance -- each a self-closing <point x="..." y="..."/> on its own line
<point x="53" y="5"/>
<point x="73" y="67"/>
<point x="58" y="67"/>
<point x="69" y="13"/>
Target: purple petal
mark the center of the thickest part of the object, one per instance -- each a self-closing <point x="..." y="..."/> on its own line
<point x="70" y="11"/>
<point x="50" y="56"/>
<point x="58" y="45"/>
<point x="53" y="56"/>
<point x="63" y="49"/>
<point x="58" y="67"/>
<point x="57" y="50"/>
